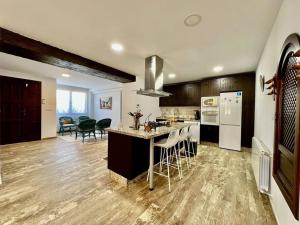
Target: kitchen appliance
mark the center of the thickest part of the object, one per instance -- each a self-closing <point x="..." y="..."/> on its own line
<point x="212" y="101"/>
<point x="153" y="78"/>
<point x="210" y="110"/>
<point x="196" y="114"/>
<point x="195" y="129"/>
<point x="230" y="120"/>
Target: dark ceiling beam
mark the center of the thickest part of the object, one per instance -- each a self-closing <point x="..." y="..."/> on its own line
<point x="18" y="45"/>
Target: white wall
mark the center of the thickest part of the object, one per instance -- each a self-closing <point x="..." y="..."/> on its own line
<point x="49" y="96"/>
<point x="124" y="101"/>
<point x="115" y="112"/>
<point x="287" y="22"/>
<point x="130" y="99"/>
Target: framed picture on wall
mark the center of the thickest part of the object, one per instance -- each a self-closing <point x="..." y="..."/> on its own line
<point x="106" y="103"/>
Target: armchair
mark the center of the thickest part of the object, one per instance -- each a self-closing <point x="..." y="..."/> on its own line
<point x="102" y="124"/>
<point x="86" y="127"/>
<point x="82" y="118"/>
<point x="66" y="123"/>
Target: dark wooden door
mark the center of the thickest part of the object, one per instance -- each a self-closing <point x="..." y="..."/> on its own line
<point x="286" y="164"/>
<point x="20" y="112"/>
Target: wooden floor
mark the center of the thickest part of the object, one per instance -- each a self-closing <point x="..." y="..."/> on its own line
<point x="62" y="181"/>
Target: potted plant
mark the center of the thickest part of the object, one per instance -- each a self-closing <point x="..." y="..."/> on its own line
<point x="136" y="117"/>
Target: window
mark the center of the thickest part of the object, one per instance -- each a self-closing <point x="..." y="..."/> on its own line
<point x="63" y="101"/>
<point x="71" y="102"/>
<point x="78" y="102"/>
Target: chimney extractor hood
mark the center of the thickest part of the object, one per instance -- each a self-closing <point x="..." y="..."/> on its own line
<point x="153" y="78"/>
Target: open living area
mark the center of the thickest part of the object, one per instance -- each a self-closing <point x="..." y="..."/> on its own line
<point x="149" y="112"/>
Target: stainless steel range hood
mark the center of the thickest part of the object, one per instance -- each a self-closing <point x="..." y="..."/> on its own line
<point x="153" y="78"/>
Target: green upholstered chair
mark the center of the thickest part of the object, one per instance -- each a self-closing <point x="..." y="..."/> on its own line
<point x="82" y="118"/>
<point x="66" y="123"/>
<point x="102" y="124"/>
<point x="85" y="128"/>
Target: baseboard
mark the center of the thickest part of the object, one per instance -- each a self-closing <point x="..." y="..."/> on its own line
<point x="45" y="138"/>
<point x="273" y="209"/>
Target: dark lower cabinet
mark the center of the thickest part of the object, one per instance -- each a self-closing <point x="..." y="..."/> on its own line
<point x="20" y="110"/>
<point x="209" y="133"/>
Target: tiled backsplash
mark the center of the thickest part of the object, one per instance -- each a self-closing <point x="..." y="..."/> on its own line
<point x="182" y="112"/>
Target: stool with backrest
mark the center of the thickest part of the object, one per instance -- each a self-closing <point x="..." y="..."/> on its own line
<point x="190" y="140"/>
<point x="167" y="150"/>
<point x="183" y="146"/>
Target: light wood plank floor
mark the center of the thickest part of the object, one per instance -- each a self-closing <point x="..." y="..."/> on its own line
<point x="62" y="181"/>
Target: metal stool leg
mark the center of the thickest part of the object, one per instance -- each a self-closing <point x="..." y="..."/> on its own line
<point x="168" y="167"/>
<point x="193" y="149"/>
<point x="188" y="151"/>
<point x="162" y="156"/>
<point x="178" y="162"/>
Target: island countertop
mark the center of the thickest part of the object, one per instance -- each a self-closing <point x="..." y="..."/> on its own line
<point x="147" y="135"/>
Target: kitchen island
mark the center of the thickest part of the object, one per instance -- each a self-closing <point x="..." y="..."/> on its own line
<point x="131" y="152"/>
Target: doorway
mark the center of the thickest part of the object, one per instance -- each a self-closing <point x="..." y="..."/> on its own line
<point x="20" y="110"/>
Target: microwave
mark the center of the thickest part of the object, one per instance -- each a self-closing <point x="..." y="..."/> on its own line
<point x="212" y="101"/>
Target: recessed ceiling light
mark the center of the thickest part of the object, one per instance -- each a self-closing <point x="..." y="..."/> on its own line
<point x="65" y="75"/>
<point x="192" y="20"/>
<point x="218" y="69"/>
<point x="117" y="47"/>
<point x="172" y="75"/>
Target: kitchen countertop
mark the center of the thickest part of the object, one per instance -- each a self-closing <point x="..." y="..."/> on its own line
<point x="177" y="118"/>
<point x="147" y="135"/>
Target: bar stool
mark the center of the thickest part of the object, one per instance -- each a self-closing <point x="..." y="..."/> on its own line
<point x="182" y="140"/>
<point x="191" y="139"/>
<point x="166" y="146"/>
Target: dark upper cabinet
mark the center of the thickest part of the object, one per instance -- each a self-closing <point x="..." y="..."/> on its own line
<point x="210" y="87"/>
<point x="230" y="84"/>
<point x="193" y="94"/>
<point x="182" y="95"/>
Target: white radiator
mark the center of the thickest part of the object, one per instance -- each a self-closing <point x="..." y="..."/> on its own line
<point x="261" y="165"/>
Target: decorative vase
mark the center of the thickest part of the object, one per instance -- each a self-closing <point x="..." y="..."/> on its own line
<point x="136" y="124"/>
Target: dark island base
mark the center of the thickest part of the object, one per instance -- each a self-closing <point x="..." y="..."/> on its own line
<point x="129" y="156"/>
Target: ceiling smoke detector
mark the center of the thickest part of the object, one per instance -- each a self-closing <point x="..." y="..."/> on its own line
<point x="192" y="20"/>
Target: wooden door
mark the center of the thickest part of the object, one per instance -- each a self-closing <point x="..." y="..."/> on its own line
<point x="287" y="124"/>
<point x="20" y="112"/>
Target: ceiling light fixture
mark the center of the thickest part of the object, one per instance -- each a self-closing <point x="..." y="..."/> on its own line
<point x="172" y="75"/>
<point x="192" y="20"/>
<point x="218" y="69"/>
<point x="65" y="75"/>
<point x="117" y="47"/>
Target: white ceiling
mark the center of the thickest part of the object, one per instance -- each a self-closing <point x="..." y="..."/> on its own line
<point x="232" y="33"/>
<point x="76" y="79"/>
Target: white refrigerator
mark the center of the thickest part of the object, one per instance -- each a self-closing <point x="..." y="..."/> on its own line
<point x="230" y="120"/>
